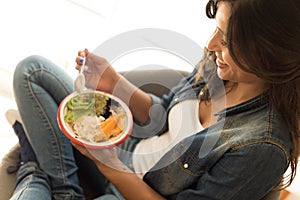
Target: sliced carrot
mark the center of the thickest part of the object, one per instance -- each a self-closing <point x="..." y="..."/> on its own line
<point x="109" y="120"/>
<point x="116" y="131"/>
<point x="110" y="127"/>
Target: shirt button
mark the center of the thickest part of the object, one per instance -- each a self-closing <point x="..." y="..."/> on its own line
<point x="185" y="166"/>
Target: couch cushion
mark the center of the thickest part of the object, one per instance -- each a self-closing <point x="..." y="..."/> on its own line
<point x="157" y="82"/>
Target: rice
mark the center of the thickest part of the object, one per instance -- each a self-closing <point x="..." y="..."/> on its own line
<point x="87" y="127"/>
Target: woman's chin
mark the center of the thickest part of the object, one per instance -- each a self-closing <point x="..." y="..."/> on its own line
<point x="223" y="75"/>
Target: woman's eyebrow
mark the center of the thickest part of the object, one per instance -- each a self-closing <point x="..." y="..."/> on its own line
<point x="222" y="32"/>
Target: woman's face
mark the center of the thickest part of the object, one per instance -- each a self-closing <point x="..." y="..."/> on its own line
<point x="227" y="69"/>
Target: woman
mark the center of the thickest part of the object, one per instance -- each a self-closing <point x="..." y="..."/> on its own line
<point x="245" y="130"/>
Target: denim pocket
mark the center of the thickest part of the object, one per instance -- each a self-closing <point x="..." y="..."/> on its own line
<point x="182" y="171"/>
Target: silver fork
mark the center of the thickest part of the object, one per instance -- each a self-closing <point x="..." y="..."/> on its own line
<point x="79" y="82"/>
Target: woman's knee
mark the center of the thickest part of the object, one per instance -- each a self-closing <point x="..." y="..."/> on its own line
<point x="24" y="65"/>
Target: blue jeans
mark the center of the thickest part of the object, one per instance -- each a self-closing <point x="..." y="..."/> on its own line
<point x="33" y="181"/>
<point x="39" y="87"/>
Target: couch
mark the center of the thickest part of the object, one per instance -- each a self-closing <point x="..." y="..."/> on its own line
<point x="156" y="81"/>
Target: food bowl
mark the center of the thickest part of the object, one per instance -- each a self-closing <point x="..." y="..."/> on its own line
<point x="94" y="119"/>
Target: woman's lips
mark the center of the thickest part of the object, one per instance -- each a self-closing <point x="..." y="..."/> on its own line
<point x="221" y="64"/>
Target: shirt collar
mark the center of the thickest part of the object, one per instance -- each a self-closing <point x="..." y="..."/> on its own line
<point x="256" y="102"/>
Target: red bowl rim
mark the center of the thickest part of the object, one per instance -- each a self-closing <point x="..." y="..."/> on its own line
<point x="65" y="130"/>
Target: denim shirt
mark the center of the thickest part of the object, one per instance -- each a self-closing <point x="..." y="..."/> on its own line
<point x="242" y="156"/>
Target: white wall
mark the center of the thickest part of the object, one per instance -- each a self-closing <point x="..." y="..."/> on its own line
<point x="57" y="29"/>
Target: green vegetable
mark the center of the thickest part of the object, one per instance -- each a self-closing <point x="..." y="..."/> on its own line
<point x="87" y="104"/>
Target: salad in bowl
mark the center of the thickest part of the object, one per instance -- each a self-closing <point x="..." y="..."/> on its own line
<point x="94" y="119"/>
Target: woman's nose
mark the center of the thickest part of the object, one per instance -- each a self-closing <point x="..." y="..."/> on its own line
<point x="213" y="42"/>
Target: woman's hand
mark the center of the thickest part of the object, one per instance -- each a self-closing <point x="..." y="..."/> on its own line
<point x="99" y="74"/>
<point x="103" y="158"/>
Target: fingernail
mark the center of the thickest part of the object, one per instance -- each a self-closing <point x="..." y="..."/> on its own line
<point x="81" y="60"/>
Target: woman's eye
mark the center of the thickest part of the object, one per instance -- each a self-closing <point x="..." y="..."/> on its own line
<point x="224" y="43"/>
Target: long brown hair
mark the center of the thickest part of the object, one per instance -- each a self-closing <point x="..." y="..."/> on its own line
<point x="269" y="31"/>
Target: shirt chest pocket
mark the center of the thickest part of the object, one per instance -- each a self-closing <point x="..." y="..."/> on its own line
<point x="180" y="174"/>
